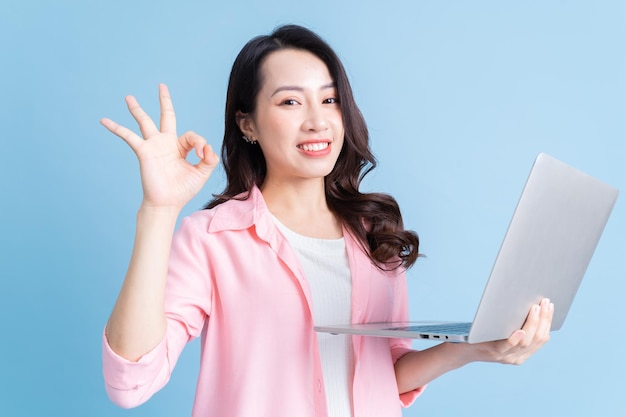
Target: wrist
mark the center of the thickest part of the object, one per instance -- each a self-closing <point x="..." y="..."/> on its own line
<point x="157" y="216"/>
<point x="148" y="209"/>
<point x="461" y="354"/>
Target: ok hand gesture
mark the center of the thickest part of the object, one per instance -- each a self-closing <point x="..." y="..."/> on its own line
<point x="168" y="179"/>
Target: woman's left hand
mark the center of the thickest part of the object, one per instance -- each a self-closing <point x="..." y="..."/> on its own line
<point x="418" y="368"/>
<point x="523" y="343"/>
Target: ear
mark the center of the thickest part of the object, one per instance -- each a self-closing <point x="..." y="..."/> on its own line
<point x="245" y="123"/>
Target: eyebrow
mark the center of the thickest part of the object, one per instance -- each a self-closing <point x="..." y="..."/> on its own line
<point x="297" y="88"/>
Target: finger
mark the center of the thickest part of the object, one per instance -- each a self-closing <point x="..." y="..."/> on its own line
<point x="168" y="117"/>
<point x="188" y="141"/>
<point x="529" y="328"/>
<point x="208" y="161"/>
<point x="208" y="158"/>
<point x="207" y="164"/>
<point x="516" y="339"/>
<point x="545" y="320"/>
<point x="127" y="135"/>
<point x="146" y="125"/>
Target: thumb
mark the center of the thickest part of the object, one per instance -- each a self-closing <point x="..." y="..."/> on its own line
<point x="208" y="161"/>
<point x="517" y="337"/>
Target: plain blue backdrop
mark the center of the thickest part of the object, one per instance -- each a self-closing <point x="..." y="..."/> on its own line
<point x="459" y="97"/>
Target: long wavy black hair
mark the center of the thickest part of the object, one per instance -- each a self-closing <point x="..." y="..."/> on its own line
<point x="374" y="218"/>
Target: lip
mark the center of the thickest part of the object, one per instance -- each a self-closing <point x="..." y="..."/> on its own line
<point x="312" y="143"/>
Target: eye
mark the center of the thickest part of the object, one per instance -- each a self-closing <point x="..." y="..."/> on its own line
<point x="289" y="102"/>
<point x="331" y="100"/>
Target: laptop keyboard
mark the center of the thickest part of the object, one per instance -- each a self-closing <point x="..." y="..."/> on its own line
<point x="443" y="328"/>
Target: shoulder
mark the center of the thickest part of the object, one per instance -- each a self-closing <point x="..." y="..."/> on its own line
<point x="230" y="215"/>
<point x="238" y="213"/>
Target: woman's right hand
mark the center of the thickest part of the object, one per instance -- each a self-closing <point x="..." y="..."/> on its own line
<point x="168" y="179"/>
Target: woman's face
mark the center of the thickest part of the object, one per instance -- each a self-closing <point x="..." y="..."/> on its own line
<point x="297" y="121"/>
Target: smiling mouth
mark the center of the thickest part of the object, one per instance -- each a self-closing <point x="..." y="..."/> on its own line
<point x="313" y="147"/>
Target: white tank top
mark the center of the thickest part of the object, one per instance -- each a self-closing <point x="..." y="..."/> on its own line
<point x="326" y="268"/>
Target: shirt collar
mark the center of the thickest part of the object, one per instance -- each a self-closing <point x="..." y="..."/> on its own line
<point x="239" y="213"/>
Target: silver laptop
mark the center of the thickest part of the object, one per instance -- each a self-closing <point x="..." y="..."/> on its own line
<point x="554" y="231"/>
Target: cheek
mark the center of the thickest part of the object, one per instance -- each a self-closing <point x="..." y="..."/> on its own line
<point x="272" y="126"/>
<point x="339" y="142"/>
<point x="339" y="131"/>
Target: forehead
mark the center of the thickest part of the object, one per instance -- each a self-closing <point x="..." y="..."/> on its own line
<point x="294" y="67"/>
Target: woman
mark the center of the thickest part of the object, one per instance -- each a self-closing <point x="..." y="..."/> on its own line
<point x="289" y="243"/>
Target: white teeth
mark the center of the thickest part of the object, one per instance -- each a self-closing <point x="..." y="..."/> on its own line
<point x="314" y="147"/>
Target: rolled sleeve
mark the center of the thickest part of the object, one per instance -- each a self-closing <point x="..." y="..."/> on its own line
<point x="187" y="304"/>
<point x="129" y="384"/>
<point x="398" y="351"/>
<point x="400" y="347"/>
<point x="408" y="398"/>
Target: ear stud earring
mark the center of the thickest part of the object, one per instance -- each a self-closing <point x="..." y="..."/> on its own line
<point x="249" y="140"/>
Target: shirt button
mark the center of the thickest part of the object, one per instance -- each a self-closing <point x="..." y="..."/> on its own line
<point x="319" y="385"/>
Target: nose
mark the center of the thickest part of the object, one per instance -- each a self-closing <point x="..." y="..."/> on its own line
<point x="316" y="119"/>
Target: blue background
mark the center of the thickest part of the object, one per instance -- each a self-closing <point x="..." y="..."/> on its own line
<point x="459" y="97"/>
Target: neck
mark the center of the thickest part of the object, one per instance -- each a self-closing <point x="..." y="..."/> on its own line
<point x="301" y="206"/>
<point x="296" y="196"/>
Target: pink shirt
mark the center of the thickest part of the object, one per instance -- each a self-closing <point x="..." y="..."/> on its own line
<point x="234" y="280"/>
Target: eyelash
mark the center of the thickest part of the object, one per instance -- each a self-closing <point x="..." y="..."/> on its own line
<point x="291" y="102"/>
